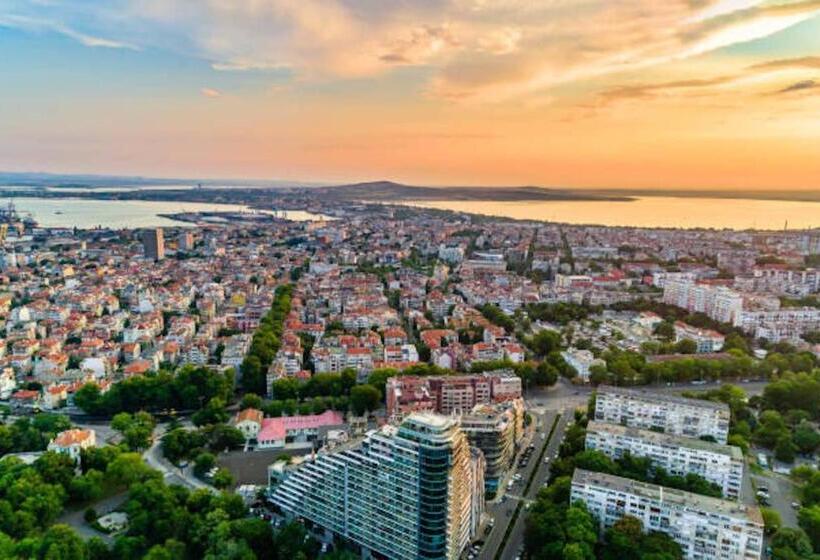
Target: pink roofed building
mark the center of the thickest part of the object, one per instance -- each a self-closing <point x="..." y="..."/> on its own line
<point x="279" y="432"/>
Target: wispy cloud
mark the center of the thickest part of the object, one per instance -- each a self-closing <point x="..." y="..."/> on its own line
<point x="210" y="92"/>
<point x="43" y="25"/>
<point x="802" y="85"/>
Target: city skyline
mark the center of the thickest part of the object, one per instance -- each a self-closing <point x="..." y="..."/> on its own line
<point x="716" y="94"/>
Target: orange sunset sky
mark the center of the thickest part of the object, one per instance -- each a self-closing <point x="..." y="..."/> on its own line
<point x="576" y="93"/>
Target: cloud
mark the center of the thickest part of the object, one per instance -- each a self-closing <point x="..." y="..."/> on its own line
<point x="420" y="45"/>
<point x="480" y="50"/>
<point x="799" y="86"/>
<point x="811" y="62"/>
<point x="210" y="92"/>
<point x="43" y="25"/>
<point x="649" y="90"/>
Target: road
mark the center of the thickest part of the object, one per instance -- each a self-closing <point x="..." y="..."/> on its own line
<point x="780" y="495"/>
<point x="502" y="508"/>
<point x="566" y="395"/>
<point x="76" y="518"/>
<point x="173" y="475"/>
<point x="515" y="543"/>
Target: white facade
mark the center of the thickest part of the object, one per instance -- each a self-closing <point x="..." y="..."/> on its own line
<point x="705" y="528"/>
<point x="717" y="463"/>
<point x="671" y="415"/>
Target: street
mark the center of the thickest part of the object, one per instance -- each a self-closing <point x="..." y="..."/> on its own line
<point x="515" y="543"/>
<point x="503" y="508"/>
<point x="173" y="475"/>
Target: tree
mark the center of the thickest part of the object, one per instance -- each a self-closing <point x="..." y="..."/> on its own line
<point x="806" y="438"/>
<point x="203" y="463"/>
<point x="544" y="342"/>
<point x="223" y="479"/>
<point x="136" y="429"/>
<point x="213" y="413"/>
<point x="809" y="520"/>
<point x="546" y="374"/>
<point x="60" y="542"/>
<point x="250" y="400"/>
<point x="771" y="520"/>
<point x="771" y="428"/>
<point x="784" y="449"/>
<point x="128" y="469"/>
<point x="364" y="398"/>
<point x="686" y="346"/>
<point x="789" y="544"/>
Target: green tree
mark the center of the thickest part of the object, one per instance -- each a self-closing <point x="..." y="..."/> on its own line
<point x="250" y="400"/>
<point x="364" y="398"/>
<point x="809" y="520"/>
<point x="544" y="342"/>
<point x="223" y="479"/>
<point x="771" y="520"/>
<point x="203" y="463"/>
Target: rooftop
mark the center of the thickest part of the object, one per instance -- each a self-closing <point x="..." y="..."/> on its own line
<point x="661" y="398"/>
<point x="665" y="439"/>
<point x="669" y="496"/>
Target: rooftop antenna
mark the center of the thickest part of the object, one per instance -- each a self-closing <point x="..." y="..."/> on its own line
<point x="786" y="225"/>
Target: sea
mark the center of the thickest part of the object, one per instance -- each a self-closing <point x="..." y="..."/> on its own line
<point x="666" y="212"/>
<point x="654" y="211"/>
<point x="118" y="214"/>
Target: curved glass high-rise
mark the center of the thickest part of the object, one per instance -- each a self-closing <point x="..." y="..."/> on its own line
<point x="406" y="493"/>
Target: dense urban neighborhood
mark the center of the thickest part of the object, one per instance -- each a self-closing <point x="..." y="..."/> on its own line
<point x="401" y="383"/>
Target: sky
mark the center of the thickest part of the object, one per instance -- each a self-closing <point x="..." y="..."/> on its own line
<point x="690" y="94"/>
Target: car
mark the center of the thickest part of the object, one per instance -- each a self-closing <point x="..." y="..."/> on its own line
<point x="762" y="489"/>
<point x="546" y="459"/>
<point x="796" y="505"/>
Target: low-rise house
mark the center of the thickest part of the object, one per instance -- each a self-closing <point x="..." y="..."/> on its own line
<point x="72" y="442"/>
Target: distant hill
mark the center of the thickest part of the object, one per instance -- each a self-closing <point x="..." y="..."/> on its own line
<point x="387" y="191"/>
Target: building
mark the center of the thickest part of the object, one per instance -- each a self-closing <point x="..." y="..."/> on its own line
<point x="677" y="455"/>
<point x="249" y="422"/>
<point x="185" y="241"/>
<point x="295" y="430"/>
<point x="663" y="413"/>
<point x="705" y="340"/>
<point x="450" y="394"/>
<point x="405" y="493"/>
<point x="706" y="528"/>
<point x="718" y="302"/>
<point x="72" y="442"/>
<point x="780" y="324"/>
<point x="496" y="430"/>
<point x="153" y="243"/>
<point x="581" y="361"/>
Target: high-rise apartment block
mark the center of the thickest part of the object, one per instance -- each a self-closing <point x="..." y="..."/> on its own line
<point x="409" y="492"/>
<point x="718" y="302"/>
<point x="663" y="413"/>
<point x="706" y="528"/>
<point x="677" y="455"/>
<point x="153" y="241"/>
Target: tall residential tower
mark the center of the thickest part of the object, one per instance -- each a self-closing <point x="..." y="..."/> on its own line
<point x="404" y="492"/>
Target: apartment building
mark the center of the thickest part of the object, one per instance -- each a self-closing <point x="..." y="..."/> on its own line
<point x="450" y="394"/>
<point x="718" y="302"/>
<point x="663" y="413"/>
<point x="717" y="463"/>
<point x="706" y="340"/>
<point x="496" y="430"/>
<point x="404" y="492"/>
<point x="706" y="528"/>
